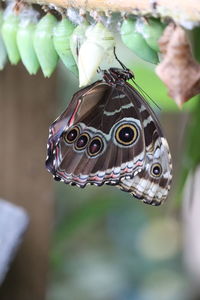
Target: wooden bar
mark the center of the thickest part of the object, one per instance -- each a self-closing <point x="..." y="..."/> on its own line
<point x="182" y="11"/>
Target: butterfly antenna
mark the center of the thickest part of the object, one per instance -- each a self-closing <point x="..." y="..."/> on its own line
<point x="122" y="65"/>
<point x="138" y="87"/>
<point x="145" y="94"/>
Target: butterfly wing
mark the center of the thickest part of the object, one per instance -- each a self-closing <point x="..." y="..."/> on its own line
<point x="152" y="184"/>
<point x="109" y="134"/>
<point x="63" y="122"/>
<point x="98" y="139"/>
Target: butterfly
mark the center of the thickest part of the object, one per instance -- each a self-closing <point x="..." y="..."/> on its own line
<point x="110" y="135"/>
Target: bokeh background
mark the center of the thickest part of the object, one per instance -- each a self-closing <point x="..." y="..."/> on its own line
<point x="97" y="243"/>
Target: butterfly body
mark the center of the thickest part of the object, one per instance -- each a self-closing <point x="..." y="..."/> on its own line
<point x="110" y="135"/>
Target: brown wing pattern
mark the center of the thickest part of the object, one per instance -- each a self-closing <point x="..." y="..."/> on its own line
<point x="152" y="184"/>
<point x="109" y="134"/>
<point x="112" y="110"/>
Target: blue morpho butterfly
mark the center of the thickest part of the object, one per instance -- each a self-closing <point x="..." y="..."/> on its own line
<point x="110" y="135"/>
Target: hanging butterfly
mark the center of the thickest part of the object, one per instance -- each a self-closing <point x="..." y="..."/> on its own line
<point x="109" y="135"/>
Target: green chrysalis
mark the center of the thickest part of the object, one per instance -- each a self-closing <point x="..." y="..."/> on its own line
<point x="44" y="46"/>
<point x="77" y="38"/>
<point x="3" y="53"/>
<point x="9" y="33"/>
<point x="61" y="38"/>
<point x="25" y="36"/>
<point x="135" y="41"/>
<point x="152" y="30"/>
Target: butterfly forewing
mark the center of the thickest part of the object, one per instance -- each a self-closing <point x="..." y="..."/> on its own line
<point x="79" y="165"/>
<point x="75" y="108"/>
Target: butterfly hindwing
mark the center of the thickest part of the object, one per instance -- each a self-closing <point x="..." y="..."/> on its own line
<point x="153" y="182"/>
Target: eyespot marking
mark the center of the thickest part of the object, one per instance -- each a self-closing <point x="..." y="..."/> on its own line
<point x="156" y="170"/>
<point x="95" y="146"/>
<point x="126" y="134"/>
<point x="71" y="135"/>
<point x="82" y="141"/>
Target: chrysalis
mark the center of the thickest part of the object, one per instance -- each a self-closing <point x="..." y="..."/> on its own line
<point x="9" y="33"/>
<point x="151" y="29"/>
<point x="135" y="41"/>
<point x="61" y="39"/>
<point x="99" y="40"/>
<point x="43" y="44"/>
<point x="3" y="53"/>
<point x="77" y="38"/>
<point x="25" y="33"/>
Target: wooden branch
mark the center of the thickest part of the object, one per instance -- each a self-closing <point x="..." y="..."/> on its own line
<point x="182" y="11"/>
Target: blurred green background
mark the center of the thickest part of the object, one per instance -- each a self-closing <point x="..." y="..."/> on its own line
<point x="105" y="245"/>
<point x="108" y="245"/>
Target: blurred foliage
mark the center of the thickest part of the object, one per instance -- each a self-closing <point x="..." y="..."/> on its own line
<point x="191" y="153"/>
<point x="109" y="246"/>
<point x="155" y="88"/>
